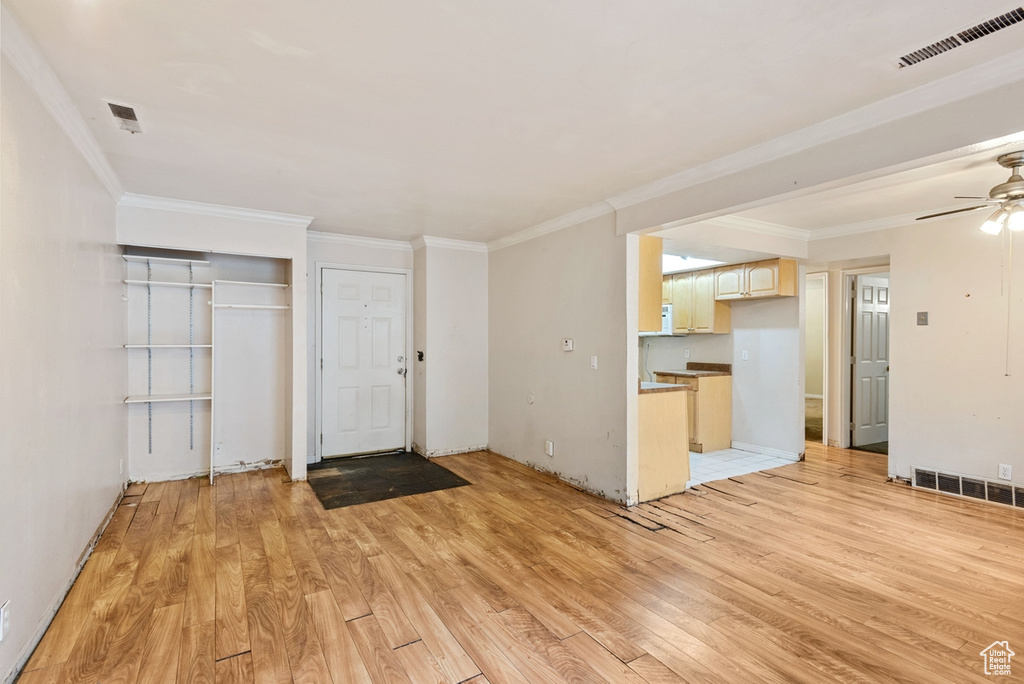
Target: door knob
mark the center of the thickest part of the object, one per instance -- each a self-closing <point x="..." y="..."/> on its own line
<point x="401" y="359"/>
<point x="401" y="371"/>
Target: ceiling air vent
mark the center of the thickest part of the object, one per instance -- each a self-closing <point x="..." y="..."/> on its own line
<point x="966" y="36"/>
<point x="126" y="117"/>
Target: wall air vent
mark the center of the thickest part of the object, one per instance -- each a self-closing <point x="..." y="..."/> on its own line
<point x="966" y="36"/>
<point x="126" y="118"/>
<point x="950" y="483"/>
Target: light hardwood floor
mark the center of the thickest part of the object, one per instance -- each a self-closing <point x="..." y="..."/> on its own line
<point x="814" y="572"/>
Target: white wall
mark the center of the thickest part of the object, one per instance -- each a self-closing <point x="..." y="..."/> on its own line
<point x="328" y="249"/>
<point x="170" y="224"/>
<point x="571" y="283"/>
<point x="62" y="369"/>
<point x="814" y="337"/>
<point x="952" y="405"/>
<point x="768" y="388"/>
<point x="452" y="300"/>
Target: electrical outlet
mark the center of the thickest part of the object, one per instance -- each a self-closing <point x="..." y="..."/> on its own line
<point x="1005" y="471"/>
<point x="218" y="448"/>
<point x="686" y="353"/>
<point x="745" y="355"/>
<point x="5" y="620"/>
<point x="549" y="447"/>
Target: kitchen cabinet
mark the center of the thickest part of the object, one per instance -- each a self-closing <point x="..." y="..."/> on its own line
<point x="709" y="411"/>
<point x="650" y="285"/>
<point x="759" y="279"/>
<point x="694" y="307"/>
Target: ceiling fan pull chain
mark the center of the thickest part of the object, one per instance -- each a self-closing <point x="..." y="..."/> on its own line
<point x="1009" y="304"/>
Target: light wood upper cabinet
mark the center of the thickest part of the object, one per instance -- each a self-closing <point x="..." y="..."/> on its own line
<point x="768" y="278"/>
<point x="694" y="309"/>
<point x="650" y="286"/>
<point x="666" y="290"/>
<point x="682" y="302"/>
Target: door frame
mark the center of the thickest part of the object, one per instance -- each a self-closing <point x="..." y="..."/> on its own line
<point x="823" y="277"/>
<point x="846" y="381"/>
<point x="318" y="334"/>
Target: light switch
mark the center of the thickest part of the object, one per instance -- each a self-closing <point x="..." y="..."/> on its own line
<point x="593" y="362"/>
<point x="567" y="344"/>
<point x="745" y="355"/>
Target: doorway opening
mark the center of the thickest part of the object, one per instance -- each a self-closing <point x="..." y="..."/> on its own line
<point x="869" y="362"/>
<point x="815" y="358"/>
<point x="362" y="350"/>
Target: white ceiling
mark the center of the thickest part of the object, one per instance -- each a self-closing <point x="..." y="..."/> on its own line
<point x="474" y="120"/>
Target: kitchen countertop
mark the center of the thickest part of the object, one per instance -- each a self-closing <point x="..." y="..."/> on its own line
<point x="698" y="369"/>
<point x="653" y="387"/>
<point x="690" y="373"/>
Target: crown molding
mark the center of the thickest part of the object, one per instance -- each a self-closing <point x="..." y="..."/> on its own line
<point x="130" y="199"/>
<point x="357" y="241"/>
<point x="884" y="223"/>
<point x="447" y="243"/>
<point x="565" y="221"/>
<point x="26" y="58"/>
<point x="955" y="87"/>
<point x="761" y="227"/>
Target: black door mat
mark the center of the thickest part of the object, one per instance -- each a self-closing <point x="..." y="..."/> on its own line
<point x="876" y="448"/>
<point x="349" y="481"/>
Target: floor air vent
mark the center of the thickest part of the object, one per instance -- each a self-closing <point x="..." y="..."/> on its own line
<point x="924" y="479"/>
<point x="996" y="492"/>
<point x="949" y="483"/>
<point x="966" y="36"/>
<point x="1000" y="493"/>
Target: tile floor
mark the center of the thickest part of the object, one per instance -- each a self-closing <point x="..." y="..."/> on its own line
<point x="718" y="465"/>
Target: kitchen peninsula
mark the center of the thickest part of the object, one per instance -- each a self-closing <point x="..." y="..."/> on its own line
<point x="664" y="451"/>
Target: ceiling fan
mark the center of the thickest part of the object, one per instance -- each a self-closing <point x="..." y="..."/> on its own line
<point x="1008" y="197"/>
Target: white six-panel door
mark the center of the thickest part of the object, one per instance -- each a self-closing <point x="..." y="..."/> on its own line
<point x="363" y="362"/>
<point x="870" y="405"/>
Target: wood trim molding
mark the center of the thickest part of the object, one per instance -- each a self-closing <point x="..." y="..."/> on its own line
<point x="447" y="243"/>
<point x="28" y="61"/>
<point x="219" y="210"/>
<point x="357" y="241"/>
<point x="554" y="225"/>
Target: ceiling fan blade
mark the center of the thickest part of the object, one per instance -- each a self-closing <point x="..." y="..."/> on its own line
<point x="954" y="211"/>
<point x="986" y="199"/>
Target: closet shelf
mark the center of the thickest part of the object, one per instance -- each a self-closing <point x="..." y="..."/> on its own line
<point x="165" y="283"/>
<point x="275" y="307"/>
<point x="163" y="260"/>
<point x="249" y="284"/>
<point x="161" y="398"/>
<point x="168" y="346"/>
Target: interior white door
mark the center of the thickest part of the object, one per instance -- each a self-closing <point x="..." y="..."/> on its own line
<point x="870" y="401"/>
<point x="363" y="367"/>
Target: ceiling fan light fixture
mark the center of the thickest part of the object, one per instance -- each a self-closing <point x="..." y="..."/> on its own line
<point x="994" y="224"/>
<point x="1015" y="217"/>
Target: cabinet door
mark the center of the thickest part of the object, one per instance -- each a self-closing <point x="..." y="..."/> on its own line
<point x="762" y="278"/>
<point x="650" y="283"/>
<point x="729" y="282"/>
<point x="703" y="317"/>
<point x="666" y="290"/>
<point x="682" y="302"/>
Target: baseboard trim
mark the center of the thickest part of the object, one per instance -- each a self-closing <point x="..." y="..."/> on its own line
<point x="814" y="396"/>
<point x="434" y="453"/>
<point x="51" y="612"/>
<point x="768" y="451"/>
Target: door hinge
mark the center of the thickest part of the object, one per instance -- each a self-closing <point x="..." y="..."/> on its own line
<point x="852" y="426"/>
<point x="321" y="364"/>
<point x="321" y="438"/>
<point x="853" y="360"/>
